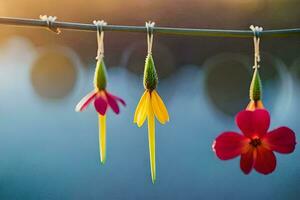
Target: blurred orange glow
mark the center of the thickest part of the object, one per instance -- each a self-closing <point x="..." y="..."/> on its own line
<point x="53" y="74"/>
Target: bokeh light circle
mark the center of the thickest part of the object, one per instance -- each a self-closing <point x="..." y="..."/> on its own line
<point x="135" y="55"/>
<point x="227" y="78"/>
<point x="53" y="73"/>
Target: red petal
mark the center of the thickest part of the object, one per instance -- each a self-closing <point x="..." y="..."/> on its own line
<point x="246" y="162"/>
<point x="229" y="145"/>
<point x="265" y="161"/>
<point x="253" y="123"/>
<point x="100" y="105"/>
<point x="118" y="99"/>
<point x="282" y="140"/>
<point x="85" y="101"/>
<point x="112" y="103"/>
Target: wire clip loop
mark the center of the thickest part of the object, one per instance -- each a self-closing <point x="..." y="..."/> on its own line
<point x="256" y="32"/>
<point x="100" y="37"/>
<point x="49" y="21"/>
<point x="150" y="27"/>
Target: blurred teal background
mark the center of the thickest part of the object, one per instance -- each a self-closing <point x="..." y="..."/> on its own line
<point x="48" y="151"/>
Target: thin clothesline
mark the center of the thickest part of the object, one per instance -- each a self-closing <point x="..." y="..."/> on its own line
<point x="161" y="30"/>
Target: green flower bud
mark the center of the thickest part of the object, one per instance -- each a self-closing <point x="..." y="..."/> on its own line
<point x="150" y="75"/>
<point x="255" y="92"/>
<point x="100" y="75"/>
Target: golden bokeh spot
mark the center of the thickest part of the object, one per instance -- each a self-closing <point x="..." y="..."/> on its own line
<point x="53" y="74"/>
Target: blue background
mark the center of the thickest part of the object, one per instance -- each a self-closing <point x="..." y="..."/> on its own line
<point x="48" y="151"/>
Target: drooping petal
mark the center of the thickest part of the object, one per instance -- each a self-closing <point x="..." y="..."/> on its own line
<point x="144" y="111"/>
<point x="282" y="140"/>
<point x="112" y="103"/>
<point x="118" y="99"/>
<point x="85" y="101"/>
<point x="100" y="105"/>
<point x="247" y="160"/>
<point x="139" y="106"/>
<point x="159" y="108"/>
<point x="151" y="138"/>
<point x="253" y="123"/>
<point x="229" y="145"/>
<point x="102" y="138"/>
<point x="265" y="161"/>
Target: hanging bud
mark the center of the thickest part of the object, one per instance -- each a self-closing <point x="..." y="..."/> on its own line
<point x="255" y="92"/>
<point x="100" y="75"/>
<point x="150" y="75"/>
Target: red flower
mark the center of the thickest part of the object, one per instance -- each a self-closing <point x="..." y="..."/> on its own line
<point x="102" y="100"/>
<point x="256" y="145"/>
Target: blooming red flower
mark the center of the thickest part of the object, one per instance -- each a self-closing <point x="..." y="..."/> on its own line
<point x="102" y="101"/>
<point x="256" y="145"/>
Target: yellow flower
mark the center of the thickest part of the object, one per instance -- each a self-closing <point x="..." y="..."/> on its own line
<point x="150" y="103"/>
<point x="151" y="106"/>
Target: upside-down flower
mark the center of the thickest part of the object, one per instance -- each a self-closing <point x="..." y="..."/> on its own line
<point x="255" y="145"/>
<point x="151" y="106"/>
<point x="102" y="101"/>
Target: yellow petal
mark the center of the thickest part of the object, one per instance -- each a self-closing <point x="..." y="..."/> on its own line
<point x="102" y="138"/>
<point x="151" y="138"/>
<point x="159" y="108"/>
<point x="144" y="110"/>
<point x="139" y="107"/>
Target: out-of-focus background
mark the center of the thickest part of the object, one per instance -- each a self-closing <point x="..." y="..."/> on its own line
<point x="48" y="151"/>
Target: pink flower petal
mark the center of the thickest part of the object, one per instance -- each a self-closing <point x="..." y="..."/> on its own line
<point x="253" y="123"/>
<point x="117" y="98"/>
<point x="85" y="101"/>
<point x="246" y="162"/>
<point x="265" y="161"/>
<point x="100" y="105"/>
<point x="282" y="140"/>
<point x="112" y="103"/>
<point x="228" y="145"/>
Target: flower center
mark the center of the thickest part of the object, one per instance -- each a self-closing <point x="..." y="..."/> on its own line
<point x="255" y="142"/>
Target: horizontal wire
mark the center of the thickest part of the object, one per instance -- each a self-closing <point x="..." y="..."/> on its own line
<point x="161" y="30"/>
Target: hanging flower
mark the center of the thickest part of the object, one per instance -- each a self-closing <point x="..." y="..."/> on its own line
<point x="256" y="145"/>
<point x="151" y="106"/>
<point x="103" y="100"/>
